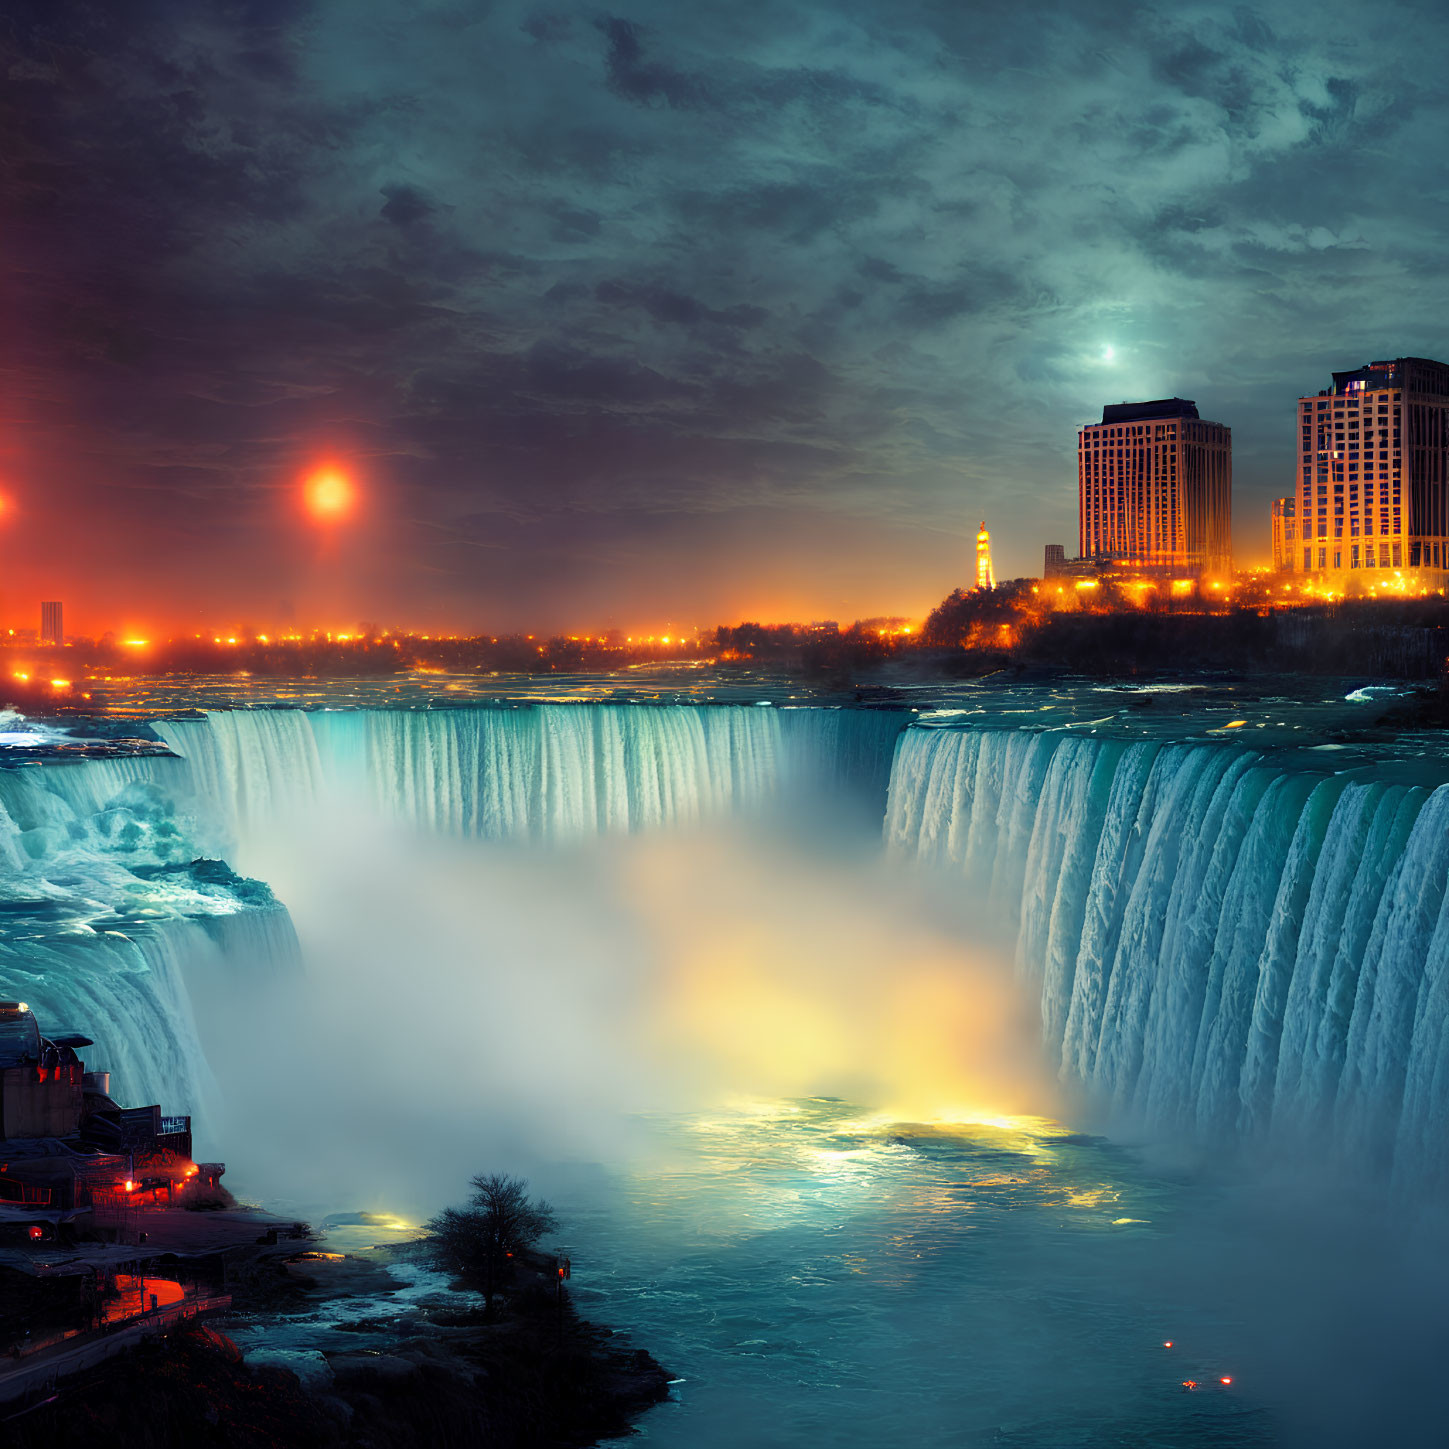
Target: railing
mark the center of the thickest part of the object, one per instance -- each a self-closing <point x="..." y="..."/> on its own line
<point x="13" y="1190"/>
<point x="24" y="1376"/>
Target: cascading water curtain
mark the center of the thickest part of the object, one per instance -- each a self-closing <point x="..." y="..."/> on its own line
<point x="1222" y="944"/>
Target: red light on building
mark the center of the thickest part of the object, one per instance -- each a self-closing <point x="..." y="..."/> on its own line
<point x="36" y="1234"/>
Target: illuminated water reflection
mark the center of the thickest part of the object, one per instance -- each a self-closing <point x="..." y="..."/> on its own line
<point x="819" y="1276"/>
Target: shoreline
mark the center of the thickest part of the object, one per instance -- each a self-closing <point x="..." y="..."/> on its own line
<point x="437" y="1373"/>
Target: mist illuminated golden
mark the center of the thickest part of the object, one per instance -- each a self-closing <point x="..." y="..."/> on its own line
<point x="792" y="983"/>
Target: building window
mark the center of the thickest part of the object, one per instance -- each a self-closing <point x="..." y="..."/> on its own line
<point x="1322" y="558"/>
<point x="1338" y="558"/>
<point x="1397" y="556"/>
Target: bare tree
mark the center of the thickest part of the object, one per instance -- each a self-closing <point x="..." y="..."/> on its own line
<point x="476" y="1242"/>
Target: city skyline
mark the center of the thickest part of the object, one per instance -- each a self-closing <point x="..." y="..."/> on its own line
<point x="660" y="313"/>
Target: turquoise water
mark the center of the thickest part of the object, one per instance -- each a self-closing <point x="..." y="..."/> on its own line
<point x="815" y="1276"/>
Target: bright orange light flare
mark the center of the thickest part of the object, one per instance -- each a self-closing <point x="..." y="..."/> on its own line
<point x="330" y="495"/>
<point x="1168" y="1344"/>
<point x="1226" y="1379"/>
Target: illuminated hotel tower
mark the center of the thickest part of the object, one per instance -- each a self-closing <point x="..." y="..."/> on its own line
<point x="1155" y="488"/>
<point x="1373" y="470"/>
<point x="985" y="578"/>
<point x="52" y="627"/>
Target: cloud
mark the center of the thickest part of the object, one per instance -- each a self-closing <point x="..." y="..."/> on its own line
<point x="860" y="260"/>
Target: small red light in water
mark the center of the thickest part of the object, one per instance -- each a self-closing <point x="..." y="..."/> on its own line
<point x="1226" y="1379"/>
<point x="1168" y="1344"/>
<point x="1189" y="1383"/>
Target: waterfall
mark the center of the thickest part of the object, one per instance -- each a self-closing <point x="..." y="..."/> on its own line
<point x="1222" y="944"/>
<point x="115" y="924"/>
<point x="108" y="915"/>
<point x="547" y="772"/>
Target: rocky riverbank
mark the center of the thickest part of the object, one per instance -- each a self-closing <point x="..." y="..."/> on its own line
<point x="442" y="1374"/>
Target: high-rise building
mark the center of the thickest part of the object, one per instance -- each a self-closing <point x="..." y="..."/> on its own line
<point x="52" y="625"/>
<point x="1373" y="470"/>
<point x="985" y="577"/>
<point x="1285" y="534"/>
<point x="1155" y="488"/>
<point x="1055" y="562"/>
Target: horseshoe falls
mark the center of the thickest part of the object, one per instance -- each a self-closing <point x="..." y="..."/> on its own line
<point x="1223" y="946"/>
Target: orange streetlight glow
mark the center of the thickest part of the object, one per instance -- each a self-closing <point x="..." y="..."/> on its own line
<point x="329" y="495"/>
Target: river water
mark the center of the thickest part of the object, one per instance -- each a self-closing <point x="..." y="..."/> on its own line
<point x="532" y="933"/>
<point x="817" y="1276"/>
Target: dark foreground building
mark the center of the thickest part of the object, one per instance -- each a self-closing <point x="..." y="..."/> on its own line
<point x="71" y="1159"/>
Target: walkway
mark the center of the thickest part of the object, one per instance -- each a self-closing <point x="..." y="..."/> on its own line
<point x="27" y="1376"/>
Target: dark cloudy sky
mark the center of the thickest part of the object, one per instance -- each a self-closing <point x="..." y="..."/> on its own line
<point x="671" y="311"/>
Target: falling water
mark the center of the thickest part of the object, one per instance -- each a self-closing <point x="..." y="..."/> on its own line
<point x="1224" y="945"/>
